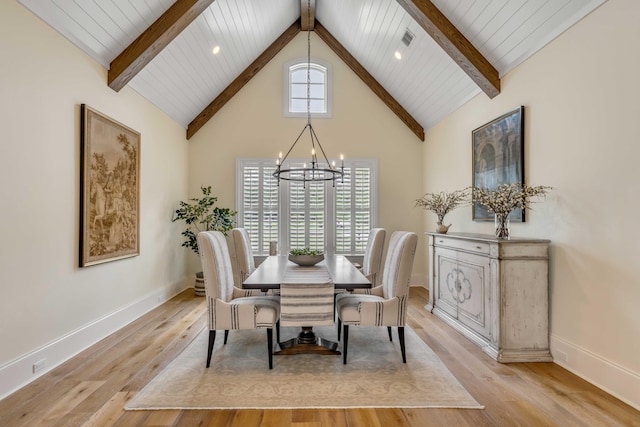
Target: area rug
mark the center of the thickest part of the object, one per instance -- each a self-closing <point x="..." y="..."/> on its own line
<point x="239" y="377"/>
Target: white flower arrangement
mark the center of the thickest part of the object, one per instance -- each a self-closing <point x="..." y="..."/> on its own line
<point x="442" y="203"/>
<point x="507" y="197"/>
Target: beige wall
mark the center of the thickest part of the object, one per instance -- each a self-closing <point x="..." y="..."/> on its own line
<point x="252" y="125"/>
<point x="50" y="308"/>
<point x="581" y="105"/>
<point x="580" y="96"/>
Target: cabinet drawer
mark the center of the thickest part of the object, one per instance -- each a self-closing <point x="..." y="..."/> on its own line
<point x="465" y="245"/>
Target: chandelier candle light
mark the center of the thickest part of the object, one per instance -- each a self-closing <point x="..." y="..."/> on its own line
<point x="319" y="171"/>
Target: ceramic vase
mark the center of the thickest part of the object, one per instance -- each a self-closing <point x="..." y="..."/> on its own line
<point x="441" y="228"/>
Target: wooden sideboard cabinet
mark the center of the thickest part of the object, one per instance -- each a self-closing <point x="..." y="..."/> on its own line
<point x="495" y="292"/>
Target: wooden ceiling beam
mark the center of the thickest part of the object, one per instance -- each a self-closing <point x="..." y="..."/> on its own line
<point x="443" y="32"/>
<point x="369" y="80"/>
<point x="307" y="15"/>
<point x="235" y="86"/>
<point x="151" y="42"/>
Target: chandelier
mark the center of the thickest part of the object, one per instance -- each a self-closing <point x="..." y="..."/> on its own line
<point x="321" y="170"/>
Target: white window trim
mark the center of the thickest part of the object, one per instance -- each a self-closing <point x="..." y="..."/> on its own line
<point x="330" y="224"/>
<point x="327" y="89"/>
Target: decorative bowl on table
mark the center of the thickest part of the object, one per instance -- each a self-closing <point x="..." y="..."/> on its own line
<point x="305" y="257"/>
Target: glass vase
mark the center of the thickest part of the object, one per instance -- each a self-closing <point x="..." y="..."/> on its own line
<point x="502" y="225"/>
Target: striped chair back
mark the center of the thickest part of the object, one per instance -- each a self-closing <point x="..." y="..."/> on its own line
<point x="244" y="253"/>
<point x="216" y="265"/>
<point x="398" y="264"/>
<point x="372" y="260"/>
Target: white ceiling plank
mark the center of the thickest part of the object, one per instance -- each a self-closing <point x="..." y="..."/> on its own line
<point x="129" y="10"/>
<point x="546" y="32"/>
<point x="60" y="20"/>
<point x="185" y="77"/>
<point x="520" y="16"/>
<point x="526" y="27"/>
<point x="476" y="31"/>
<point x="113" y="33"/>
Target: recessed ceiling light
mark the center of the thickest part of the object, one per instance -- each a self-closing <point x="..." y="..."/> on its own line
<point x="216" y="50"/>
<point x="398" y="55"/>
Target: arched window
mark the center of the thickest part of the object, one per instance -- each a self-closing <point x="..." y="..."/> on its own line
<point x="296" y="89"/>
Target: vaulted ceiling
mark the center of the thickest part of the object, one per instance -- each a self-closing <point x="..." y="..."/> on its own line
<point x="163" y="48"/>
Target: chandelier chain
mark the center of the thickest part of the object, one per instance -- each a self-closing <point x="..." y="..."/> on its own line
<point x="318" y="171"/>
<point x="309" y="62"/>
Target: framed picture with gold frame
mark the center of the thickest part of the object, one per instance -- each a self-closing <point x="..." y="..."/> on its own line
<point x="109" y="189"/>
<point x="498" y="158"/>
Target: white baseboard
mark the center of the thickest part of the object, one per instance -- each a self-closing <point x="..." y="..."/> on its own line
<point x="418" y="280"/>
<point x="605" y="374"/>
<point x="18" y="373"/>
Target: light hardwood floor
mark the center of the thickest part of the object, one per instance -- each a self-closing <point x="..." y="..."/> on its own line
<point x="92" y="388"/>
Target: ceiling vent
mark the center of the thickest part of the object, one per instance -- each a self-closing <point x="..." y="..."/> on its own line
<point x="408" y="37"/>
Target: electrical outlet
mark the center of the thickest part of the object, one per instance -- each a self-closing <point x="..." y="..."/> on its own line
<point x="562" y="356"/>
<point x="39" y="365"/>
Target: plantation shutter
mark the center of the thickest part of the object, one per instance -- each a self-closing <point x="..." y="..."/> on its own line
<point x="307" y="215"/>
<point x="251" y="198"/>
<point x="307" y="203"/>
<point x="270" y="224"/>
<point x="260" y="205"/>
<point x="354" y="210"/>
<point x="344" y="217"/>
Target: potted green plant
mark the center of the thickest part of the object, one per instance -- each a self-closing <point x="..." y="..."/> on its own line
<point x="201" y="214"/>
<point x="442" y="203"/>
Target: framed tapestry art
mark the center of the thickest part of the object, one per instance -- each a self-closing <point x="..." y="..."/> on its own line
<point x="109" y="189"/>
<point x="498" y="158"/>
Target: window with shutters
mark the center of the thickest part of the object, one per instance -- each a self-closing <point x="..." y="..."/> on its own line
<point x="295" y="97"/>
<point x="259" y="205"/>
<point x="354" y="209"/>
<point x="313" y="215"/>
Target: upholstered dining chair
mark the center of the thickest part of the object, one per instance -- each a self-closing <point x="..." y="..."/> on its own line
<point x="245" y="262"/>
<point x="372" y="259"/>
<point x="228" y="307"/>
<point x="244" y="253"/>
<point x="387" y="303"/>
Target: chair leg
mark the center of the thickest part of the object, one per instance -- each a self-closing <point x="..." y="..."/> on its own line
<point x="401" y="336"/>
<point x="278" y="331"/>
<point x="212" y="339"/>
<point x="389" y="330"/>
<point x="226" y="335"/>
<point x="344" y="344"/>
<point x="270" y="345"/>
<point x="339" y="326"/>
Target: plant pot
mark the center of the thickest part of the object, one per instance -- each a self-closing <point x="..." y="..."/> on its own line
<point x="441" y="228"/>
<point x="199" y="286"/>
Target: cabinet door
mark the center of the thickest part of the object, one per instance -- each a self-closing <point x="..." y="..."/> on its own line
<point x="472" y="278"/>
<point x="446" y="261"/>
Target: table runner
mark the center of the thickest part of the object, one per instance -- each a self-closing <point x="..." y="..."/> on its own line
<point x="306" y="296"/>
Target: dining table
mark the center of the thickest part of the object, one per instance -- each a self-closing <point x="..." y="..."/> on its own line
<point x="269" y="275"/>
